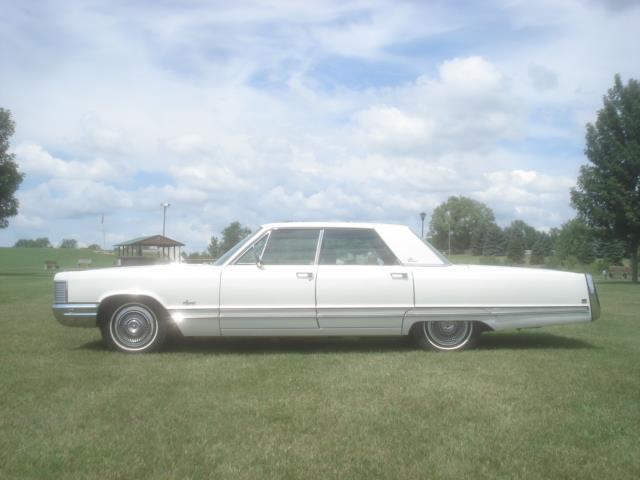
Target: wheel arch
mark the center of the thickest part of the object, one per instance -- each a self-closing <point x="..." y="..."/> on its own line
<point x="109" y="303"/>
<point x="409" y="324"/>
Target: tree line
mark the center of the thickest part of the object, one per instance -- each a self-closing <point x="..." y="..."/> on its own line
<point x="43" y="242"/>
<point x="462" y="225"/>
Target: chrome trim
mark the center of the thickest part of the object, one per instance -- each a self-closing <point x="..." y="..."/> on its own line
<point x="60" y="292"/>
<point x="76" y="314"/>
<point x="594" y="301"/>
<point x="251" y="244"/>
<point x="500" y="318"/>
<point x="316" y="261"/>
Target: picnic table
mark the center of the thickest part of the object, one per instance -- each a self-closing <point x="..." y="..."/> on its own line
<point x="620" y="270"/>
<point x="84" y="262"/>
<point x="51" y="265"/>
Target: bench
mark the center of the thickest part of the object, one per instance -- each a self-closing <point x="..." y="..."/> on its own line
<point x="614" y="270"/>
<point x="51" y="265"/>
<point x="84" y="262"/>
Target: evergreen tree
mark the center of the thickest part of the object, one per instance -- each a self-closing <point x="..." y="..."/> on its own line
<point x="477" y="241"/>
<point x="515" y="247"/>
<point x="493" y="242"/>
<point x="537" y="252"/>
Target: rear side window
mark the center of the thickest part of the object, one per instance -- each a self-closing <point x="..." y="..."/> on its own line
<point x="354" y="246"/>
<point x="291" y="247"/>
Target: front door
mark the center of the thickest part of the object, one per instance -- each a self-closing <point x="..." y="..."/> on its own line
<point x="272" y="286"/>
<point x="360" y="283"/>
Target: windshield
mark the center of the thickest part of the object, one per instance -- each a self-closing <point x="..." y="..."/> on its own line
<point x="231" y="252"/>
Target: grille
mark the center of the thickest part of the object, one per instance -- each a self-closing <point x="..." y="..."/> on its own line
<point x="59" y="292"/>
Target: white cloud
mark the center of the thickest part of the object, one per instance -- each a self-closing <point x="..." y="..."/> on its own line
<point x="388" y="127"/>
<point x="35" y="160"/>
<point x="471" y="74"/>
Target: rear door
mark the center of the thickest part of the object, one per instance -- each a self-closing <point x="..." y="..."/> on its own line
<point x="360" y="283"/>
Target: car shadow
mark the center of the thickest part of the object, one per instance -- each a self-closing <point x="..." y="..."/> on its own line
<point x="306" y="345"/>
<point x="529" y="341"/>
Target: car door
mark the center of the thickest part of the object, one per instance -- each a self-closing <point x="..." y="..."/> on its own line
<point x="272" y="285"/>
<point x="360" y="283"/>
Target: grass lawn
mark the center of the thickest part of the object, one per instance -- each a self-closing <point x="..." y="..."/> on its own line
<point x="561" y="402"/>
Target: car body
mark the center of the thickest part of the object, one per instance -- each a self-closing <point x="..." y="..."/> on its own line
<point x="322" y="279"/>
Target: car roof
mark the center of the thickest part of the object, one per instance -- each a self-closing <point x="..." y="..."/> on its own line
<point x="329" y="225"/>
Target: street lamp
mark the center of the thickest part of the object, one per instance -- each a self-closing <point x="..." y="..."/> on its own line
<point x="164" y="206"/>
<point x="423" y="215"/>
<point x="449" y="215"/>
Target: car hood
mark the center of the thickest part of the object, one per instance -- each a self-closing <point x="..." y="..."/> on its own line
<point x="147" y="271"/>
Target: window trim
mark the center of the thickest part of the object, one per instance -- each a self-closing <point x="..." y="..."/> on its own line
<point x="251" y="244"/>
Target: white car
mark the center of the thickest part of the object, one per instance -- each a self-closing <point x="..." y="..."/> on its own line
<point x="322" y="279"/>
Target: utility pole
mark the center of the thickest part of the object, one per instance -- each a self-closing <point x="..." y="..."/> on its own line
<point x="423" y="215"/>
<point x="164" y="206"/>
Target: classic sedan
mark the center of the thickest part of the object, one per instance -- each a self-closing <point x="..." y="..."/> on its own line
<point x="321" y="279"/>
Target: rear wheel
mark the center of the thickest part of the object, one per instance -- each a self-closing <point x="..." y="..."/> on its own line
<point x="135" y="328"/>
<point x="446" y="336"/>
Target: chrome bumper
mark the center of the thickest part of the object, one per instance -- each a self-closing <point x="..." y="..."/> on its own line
<point x="76" y="314"/>
<point x="594" y="301"/>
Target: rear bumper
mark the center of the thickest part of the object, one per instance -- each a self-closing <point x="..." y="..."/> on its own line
<point x="76" y="314"/>
<point x="594" y="301"/>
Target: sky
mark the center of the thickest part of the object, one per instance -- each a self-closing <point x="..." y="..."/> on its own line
<point x="285" y="110"/>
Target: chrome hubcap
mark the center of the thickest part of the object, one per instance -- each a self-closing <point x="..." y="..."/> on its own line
<point x="448" y="334"/>
<point x="134" y="327"/>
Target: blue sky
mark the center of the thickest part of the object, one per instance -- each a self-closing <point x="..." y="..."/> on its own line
<point x="284" y="110"/>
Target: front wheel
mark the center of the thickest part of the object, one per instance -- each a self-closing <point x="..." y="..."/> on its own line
<point x="446" y="336"/>
<point x="135" y="328"/>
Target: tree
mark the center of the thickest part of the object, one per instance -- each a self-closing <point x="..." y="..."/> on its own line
<point x="529" y="234"/>
<point x="612" y="251"/>
<point x="477" y="241"/>
<point x="231" y="235"/>
<point x="493" y="241"/>
<point x="577" y="240"/>
<point x="461" y="216"/>
<point x="515" y="247"/>
<point x="538" y="252"/>
<point x="69" y="243"/>
<point x="42" y="242"/>
<point x="10" y="177"/>
<point x="94" y="246"/>
<point x="548" y="241"/>
<point x="607" y="194"/>
<point x="214" y="247"/>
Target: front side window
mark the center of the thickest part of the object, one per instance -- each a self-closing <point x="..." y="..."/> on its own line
<point x="354" y="246"/>
<point x="291" y="246"/>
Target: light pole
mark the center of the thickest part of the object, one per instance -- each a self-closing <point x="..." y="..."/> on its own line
<point x="164" y="206"/>
<point x="423" y="215"/>
<point x="449" y="215"/>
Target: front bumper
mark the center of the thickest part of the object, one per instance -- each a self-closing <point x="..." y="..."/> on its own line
<point x="76" y="314"/>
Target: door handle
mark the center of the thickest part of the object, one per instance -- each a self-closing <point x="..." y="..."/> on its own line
<point x="304" y="275"/>
<point x="399" y="276"/>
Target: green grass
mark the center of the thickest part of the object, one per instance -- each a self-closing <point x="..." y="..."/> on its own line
<point x="561" y="402"/>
